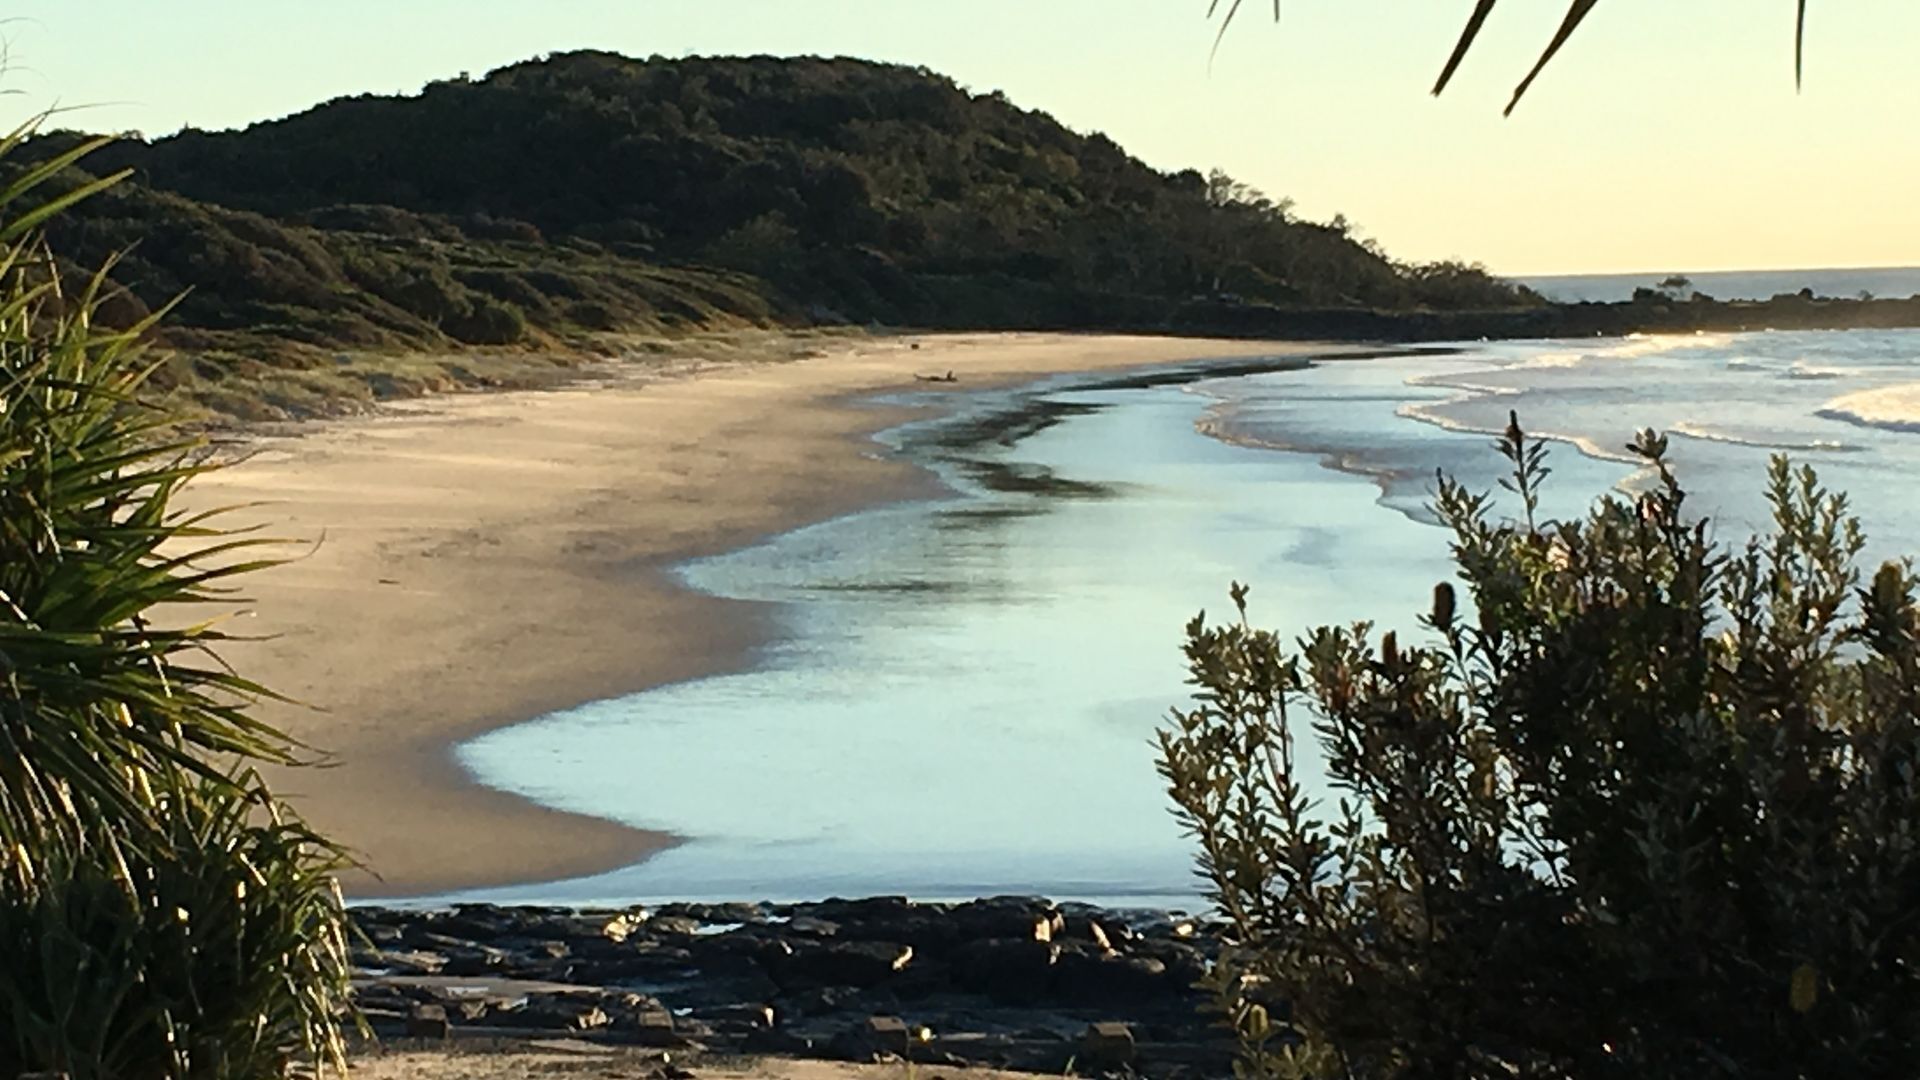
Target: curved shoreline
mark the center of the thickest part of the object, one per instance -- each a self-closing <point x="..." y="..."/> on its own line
<point x="485" y="559"/>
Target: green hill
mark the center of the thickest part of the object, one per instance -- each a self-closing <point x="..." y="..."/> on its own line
<point x="589" y="192"/>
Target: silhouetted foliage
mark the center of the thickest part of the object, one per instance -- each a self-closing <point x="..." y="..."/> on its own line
<point x="1643" y="805"/>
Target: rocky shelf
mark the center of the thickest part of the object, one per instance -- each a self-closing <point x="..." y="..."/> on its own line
<point x="1010" y="982"/>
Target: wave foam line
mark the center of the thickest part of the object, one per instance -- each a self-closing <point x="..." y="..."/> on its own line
<point x="1889" y="408"/>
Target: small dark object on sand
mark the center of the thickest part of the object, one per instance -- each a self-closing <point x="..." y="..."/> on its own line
<point x="948" y="377"/>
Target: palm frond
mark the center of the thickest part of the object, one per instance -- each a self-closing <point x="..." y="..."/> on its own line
<point x="1477" y="19"/>
<point x="161" y="914"/>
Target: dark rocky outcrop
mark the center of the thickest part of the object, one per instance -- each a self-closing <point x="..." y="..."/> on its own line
<point x="1011" y="981"/>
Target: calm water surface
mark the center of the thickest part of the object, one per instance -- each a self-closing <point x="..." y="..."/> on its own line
<point x="961" y="695"/>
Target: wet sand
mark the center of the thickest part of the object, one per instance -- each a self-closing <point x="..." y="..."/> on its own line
<point x="478" y="560"/>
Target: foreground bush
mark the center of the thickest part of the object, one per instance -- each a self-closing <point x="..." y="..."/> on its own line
<point x="160" y="914"/>
<point x="1645" y="807"/>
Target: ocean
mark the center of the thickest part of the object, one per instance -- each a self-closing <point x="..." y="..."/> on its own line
<point x="1886" y="283"/>
<point x="963" y="691"/>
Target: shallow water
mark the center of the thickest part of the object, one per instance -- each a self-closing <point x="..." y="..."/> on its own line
<point x="962" y="694"/>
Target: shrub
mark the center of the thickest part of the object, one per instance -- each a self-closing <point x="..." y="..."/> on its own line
<point x="160" y="915"/>
<point x="1644" y="805"/>
<point x="487" y="321"/>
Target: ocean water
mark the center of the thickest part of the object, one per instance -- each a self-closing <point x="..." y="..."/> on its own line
<point x="962" y="693"/>
<point x="1886" y="283"/>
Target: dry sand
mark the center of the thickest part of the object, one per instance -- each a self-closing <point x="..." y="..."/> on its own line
<point x="486" y="558"/>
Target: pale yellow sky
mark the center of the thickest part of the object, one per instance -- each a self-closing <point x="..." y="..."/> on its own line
<point x="1666" y="136"/>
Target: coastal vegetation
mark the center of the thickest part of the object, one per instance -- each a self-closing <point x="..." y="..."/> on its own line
<point x="499" y="230"/>
<point x="162" y="915"/>
<point x="553" y="203"/>
<point x="1643" y="803"/>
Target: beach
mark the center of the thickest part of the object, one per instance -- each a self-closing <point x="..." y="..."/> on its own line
<point x="463" y="562"/>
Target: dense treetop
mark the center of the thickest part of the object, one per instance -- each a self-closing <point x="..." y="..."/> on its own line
<point x="857" y="186"/>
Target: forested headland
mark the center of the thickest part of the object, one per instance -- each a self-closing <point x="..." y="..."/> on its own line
<point x="554" y="202"/>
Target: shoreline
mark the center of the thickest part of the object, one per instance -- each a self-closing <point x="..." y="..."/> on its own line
<point x="515" y="554"/>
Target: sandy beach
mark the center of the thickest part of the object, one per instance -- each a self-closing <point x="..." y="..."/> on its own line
<point x="475" y="560"/>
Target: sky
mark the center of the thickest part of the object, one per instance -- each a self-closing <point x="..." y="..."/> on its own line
<point x="1666" y="137"/>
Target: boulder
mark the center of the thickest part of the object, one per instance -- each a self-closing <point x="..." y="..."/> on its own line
<point x="930" y="932"/>
<point x="673" y="926"/>
<point x="808" y="926"/>
<point x="470" y="960"/>
<point x="556" y="1012"/>
<point x="415" y="962"/>
<point x="877" y="1038"/>
<point x="1107" y="1046"/>
<point x="843" y="963"/>
<point x="1019" y="917"/>
<point x="744" y="1017"/>
<point x="776" y="1041"/>
<point x="650" y="1027"/>
<point x="428" y="1022"/>
<point x="1009" y="970"/>
<point x="871" y="907"/>
<point x="1111" y="979"/>
<point x="816" y="1001"/>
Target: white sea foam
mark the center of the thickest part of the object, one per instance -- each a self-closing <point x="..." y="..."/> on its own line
<point x="1888" y="408"/>
<point x="1708" y="433"/>
<point x="1426" y="412"/>
<point x="1801" y="369"/>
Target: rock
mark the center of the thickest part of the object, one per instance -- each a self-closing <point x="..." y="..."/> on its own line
<point x="816" y="1001"/>
<point x="469" y="961"/>
<point x="776" y="1041"/>
<point x="873" y="907"/>
<point x="648" y="962"/>
<point x="1185" y="963"/>
<point x="1098" y="935"/>
<point x="382" y="935"/>
<point x="1111" y="979"/>
<point x="428" y="1022"/>
<point x="1014" y="971"/>
<point x="652" y="1027"/>
<point x="843" y="963"/>
<point x="481" y="922"/>
<point x="930" y="932"/>
<point x="435" y="941"/>
<point x="715" y="914"/>
<point x="1107" y="1046"/>
<point x="624" y="925"/>
<point x="673" y="926"/>
<point x="738" y="952"/>
<point x="557" y="1012"/>
<point x="416" y="962"/>
<point x="744" y="1016"/>
<point x="877" y="1038"/>
<point x="1025" y="918"/>
<point x="812" y="927"/>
